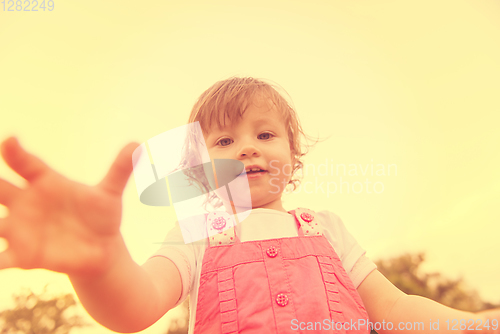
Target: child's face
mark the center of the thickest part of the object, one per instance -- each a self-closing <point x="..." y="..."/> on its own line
<point x="258" y="139"/>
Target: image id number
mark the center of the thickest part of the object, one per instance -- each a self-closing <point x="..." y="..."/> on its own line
<point x="471" y="325"/>
<point x="27" y="6"/>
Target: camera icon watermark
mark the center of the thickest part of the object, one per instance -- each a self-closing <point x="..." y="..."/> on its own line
<point x="175" y="169"/>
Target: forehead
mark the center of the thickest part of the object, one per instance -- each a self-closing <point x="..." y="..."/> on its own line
<point x="258" y="112"/>
<point x="261" y="114"/>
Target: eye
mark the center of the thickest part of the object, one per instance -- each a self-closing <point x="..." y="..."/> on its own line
<point x="266" y="135"/>
<point x="224" y="142"/>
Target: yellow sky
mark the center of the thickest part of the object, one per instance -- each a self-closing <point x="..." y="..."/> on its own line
<point x="409" y="83"/>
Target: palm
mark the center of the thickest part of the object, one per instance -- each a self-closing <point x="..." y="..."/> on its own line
<point x="56" y="220"/>
<point x="58" y="224"/>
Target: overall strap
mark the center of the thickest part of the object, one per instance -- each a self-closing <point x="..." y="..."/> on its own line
<point x="221" y="226"/>
<point x="307" y="222"/>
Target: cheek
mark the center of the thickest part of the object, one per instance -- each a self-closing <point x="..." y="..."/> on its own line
<point x="213" y="155"/>
<point x="220" y="153"/>
<point x="281" y="168"/>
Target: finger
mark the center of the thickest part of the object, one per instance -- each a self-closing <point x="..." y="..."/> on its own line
<point x="8" y="192"/>
<point x="7" y="259"/>
<point x="117" y="176"/>
<point x="23" y="163"/>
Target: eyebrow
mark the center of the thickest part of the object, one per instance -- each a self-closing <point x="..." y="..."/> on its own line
<point x="256" y="122"/>
<point x="262" y="120"/>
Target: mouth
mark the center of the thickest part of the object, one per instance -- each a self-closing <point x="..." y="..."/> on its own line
<point x="255" y="175"/>
<point x="254" y="169"/>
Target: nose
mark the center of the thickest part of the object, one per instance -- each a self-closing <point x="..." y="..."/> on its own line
<point x="248" y="148"/>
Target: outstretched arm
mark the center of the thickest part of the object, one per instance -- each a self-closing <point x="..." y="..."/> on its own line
<point x="61" y="225"/>
<point x="391" y="308"/>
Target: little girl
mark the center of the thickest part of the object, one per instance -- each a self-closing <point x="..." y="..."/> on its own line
<point x="276" y="271"/>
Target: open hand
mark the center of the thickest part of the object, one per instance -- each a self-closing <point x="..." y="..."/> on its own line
<point x="58" y="224"/>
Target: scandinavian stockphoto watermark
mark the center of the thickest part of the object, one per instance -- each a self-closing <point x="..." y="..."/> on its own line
<point x="336" y="178"/>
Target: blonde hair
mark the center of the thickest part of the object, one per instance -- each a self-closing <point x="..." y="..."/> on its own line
<point x="227" y="100"/>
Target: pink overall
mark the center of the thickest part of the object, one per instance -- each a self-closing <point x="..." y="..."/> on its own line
<point x="278" y="286"/>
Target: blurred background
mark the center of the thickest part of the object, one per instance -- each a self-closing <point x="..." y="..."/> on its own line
<point x="405" y="91"/>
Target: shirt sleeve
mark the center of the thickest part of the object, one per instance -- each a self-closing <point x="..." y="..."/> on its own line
<point x="182" y="255"/>
<point x="363" y="267"/>
<point x="354" y="261"/>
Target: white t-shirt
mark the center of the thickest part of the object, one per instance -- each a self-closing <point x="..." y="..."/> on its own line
<point x="262" y="224"/>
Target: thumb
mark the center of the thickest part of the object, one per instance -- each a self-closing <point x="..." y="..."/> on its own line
<point x="119" y="172"/>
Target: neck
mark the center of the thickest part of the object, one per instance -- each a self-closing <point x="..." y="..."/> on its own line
<point x="274" y="205"/>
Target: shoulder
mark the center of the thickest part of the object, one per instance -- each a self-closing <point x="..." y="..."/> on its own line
<point x="336" y="231"/>
<point x="181" y="248"/>
<point x="352" y="255"/>
<point x="332" y="226"/>
<point x="344" y="244"/>
<point x="325" y="216"/>
<point x="331" y="222"/>
<point x="329" y="216"/>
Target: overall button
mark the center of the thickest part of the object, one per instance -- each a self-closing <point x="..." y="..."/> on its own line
<point x="219" y="223"/>
<point x="306" y="217"/>
<point x="282" y="299"/>
<point x="272" y="251"/>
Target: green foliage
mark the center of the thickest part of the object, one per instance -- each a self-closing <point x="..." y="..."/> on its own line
<point x="405" y="273"/>
<point x="38" y="314"/>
